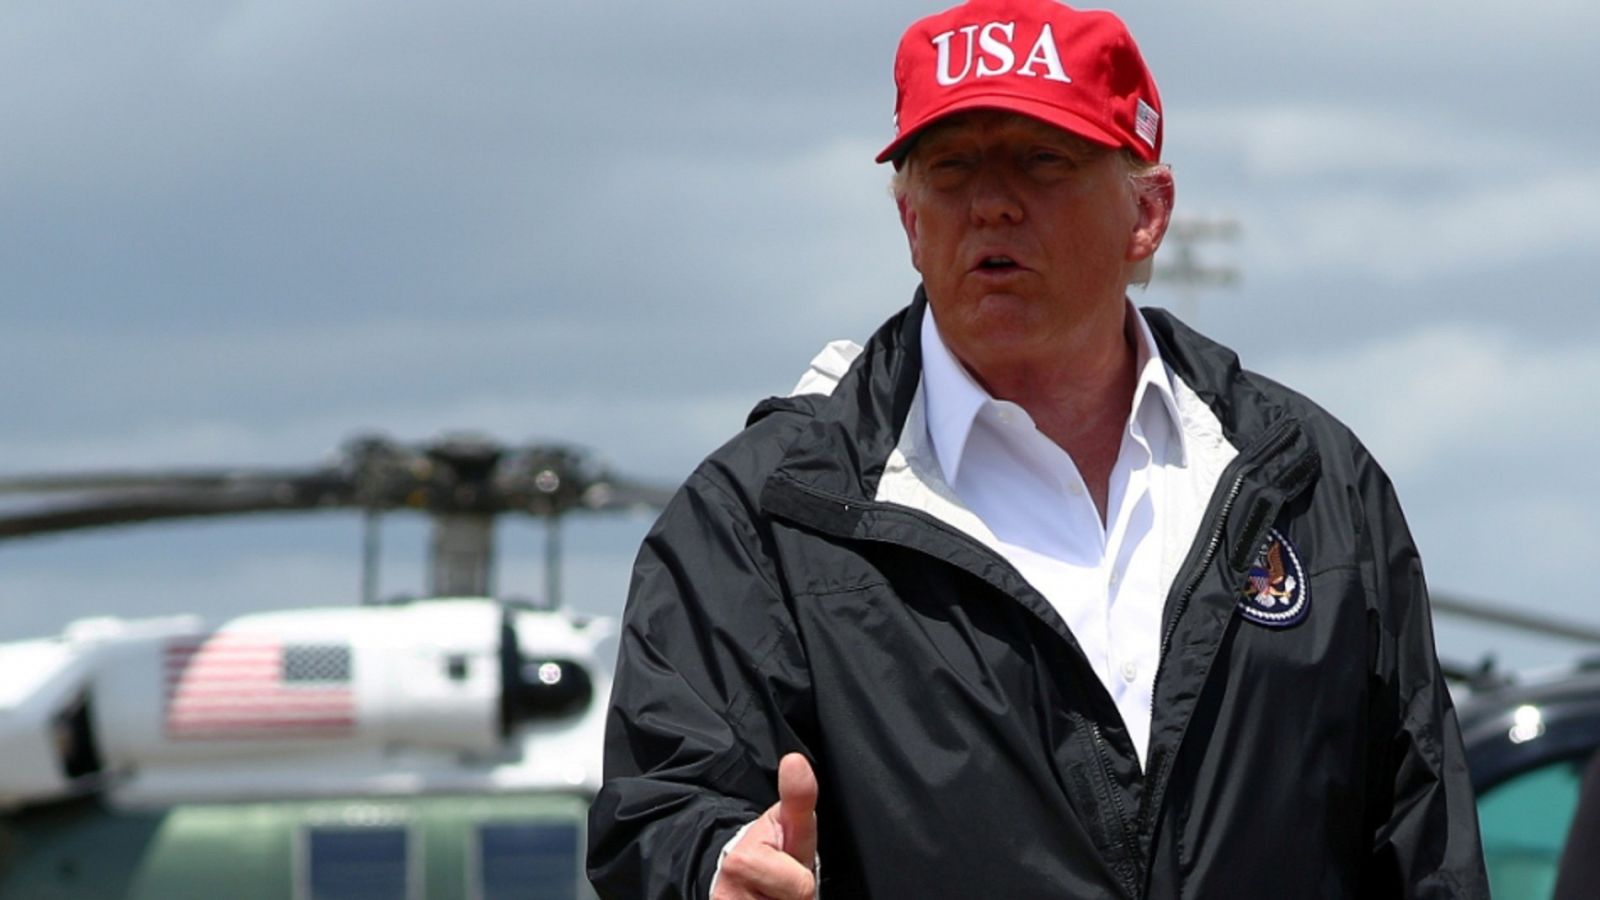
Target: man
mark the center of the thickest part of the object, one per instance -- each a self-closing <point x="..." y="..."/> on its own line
<point x="1035" y="595"/>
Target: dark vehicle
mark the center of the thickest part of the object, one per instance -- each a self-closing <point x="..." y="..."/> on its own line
<point x="1528" y="740"/>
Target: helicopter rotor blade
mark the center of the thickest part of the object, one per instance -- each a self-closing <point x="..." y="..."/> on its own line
<point x="1528" y="622"/>
<point x="321" y="490"/>
<point x="455" y="476"/>
<point x="196" y="479"/>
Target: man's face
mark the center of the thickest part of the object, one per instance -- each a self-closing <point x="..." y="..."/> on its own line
<point x="1022" y="233"/>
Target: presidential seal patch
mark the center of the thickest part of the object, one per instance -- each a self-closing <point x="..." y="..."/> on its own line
<point x="1276" y="594"/>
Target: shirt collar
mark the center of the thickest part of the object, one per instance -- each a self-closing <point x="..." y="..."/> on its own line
<point x="1154" y="377"/>
<point x="953" y="398"/>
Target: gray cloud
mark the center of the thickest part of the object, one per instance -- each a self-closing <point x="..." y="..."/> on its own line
<point x="240" y="231"/>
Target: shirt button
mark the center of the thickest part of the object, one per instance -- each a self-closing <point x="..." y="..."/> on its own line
<point x="1130" y="671"/>
<point x="1115" y="579"/>
<point x="1075" y="488"/>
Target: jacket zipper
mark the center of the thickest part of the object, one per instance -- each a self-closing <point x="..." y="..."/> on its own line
<point x="1213" y="543"/>
<point x="1129" y="879"/>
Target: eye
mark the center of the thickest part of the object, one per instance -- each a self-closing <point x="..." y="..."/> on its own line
<point x="949" y="162"/>
<point x="1050" y="157"/>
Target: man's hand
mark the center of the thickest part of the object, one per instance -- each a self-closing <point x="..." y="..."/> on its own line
<point x="774" y="858"/>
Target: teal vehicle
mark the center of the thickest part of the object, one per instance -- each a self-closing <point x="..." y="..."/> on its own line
<point x="1529" y="738"/>
<point x="445" y="747"/>
<point x="1528" y="744"/>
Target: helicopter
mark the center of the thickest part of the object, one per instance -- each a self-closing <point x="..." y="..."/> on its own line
<point x="439" y="747"/>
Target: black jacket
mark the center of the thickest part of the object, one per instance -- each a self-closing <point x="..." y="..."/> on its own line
<point x="963" y="744"/>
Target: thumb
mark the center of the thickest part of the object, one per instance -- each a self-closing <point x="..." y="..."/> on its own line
<point x="797" y="808"/>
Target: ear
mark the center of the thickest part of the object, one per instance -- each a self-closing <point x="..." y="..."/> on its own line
<point x="1153" y="195"/>
<point x="908" y="221"/>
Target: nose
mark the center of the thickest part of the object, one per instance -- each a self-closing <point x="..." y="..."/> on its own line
<point x="995" y="199"/>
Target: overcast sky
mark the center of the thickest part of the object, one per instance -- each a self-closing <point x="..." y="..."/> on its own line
<point x="241" y="232"/>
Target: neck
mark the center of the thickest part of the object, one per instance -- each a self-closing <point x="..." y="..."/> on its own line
<point x="1079" y="396"/>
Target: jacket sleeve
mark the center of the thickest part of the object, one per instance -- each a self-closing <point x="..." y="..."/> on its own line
<point x="710" y="676"/>
<point x="1423" y="819"/>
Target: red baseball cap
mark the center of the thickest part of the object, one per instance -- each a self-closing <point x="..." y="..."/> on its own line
<point x="1078" y="70"/>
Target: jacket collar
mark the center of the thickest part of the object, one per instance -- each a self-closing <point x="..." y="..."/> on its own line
<point x="854" y="430"/>
<point x="852" y="433"/>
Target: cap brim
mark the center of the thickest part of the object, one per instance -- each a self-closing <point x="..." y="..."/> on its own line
<point x="1047" y="113"/>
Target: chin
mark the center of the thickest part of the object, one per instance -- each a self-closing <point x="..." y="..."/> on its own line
<point x="1008" y="317"/>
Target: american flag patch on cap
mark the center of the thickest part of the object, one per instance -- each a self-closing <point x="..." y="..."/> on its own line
<point x="1145" y="122"/>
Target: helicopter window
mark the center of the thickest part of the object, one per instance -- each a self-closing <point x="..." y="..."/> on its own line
<point x="356" y="864"/>
<point x="1524" y="823"/>
<point x="531" y="860"/>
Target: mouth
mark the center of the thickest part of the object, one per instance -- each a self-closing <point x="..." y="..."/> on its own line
<point x="997" y="263"/>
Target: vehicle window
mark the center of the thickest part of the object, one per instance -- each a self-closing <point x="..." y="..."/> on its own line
<point x="356" y="863"/>
<point x="1524" y="822"/>
<point x="528" y="861"/>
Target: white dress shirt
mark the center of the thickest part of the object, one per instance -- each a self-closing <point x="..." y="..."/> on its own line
<point x="1109" y="581"/>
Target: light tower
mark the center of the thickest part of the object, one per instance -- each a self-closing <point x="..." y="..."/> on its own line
<point x="1181" y="266"/>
